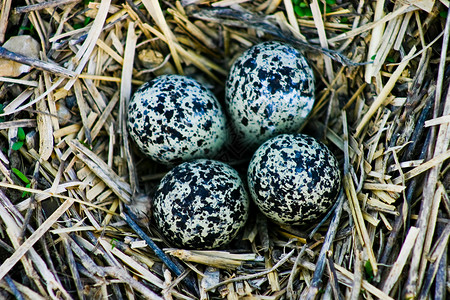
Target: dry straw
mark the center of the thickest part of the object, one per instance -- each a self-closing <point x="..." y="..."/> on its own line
<point x="382" y="106"/>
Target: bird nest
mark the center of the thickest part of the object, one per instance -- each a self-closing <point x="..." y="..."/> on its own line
<point x="75" y="192"/>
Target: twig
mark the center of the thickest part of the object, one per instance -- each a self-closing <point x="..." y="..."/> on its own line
<point x="155" y="11"/>
<point x="256" y="275"/>
<point x="4" y="16"/>
<point x="6" y="247"/>
<point x="166" y="260"/>
<point x="44" y="126"/>
<point x="233" y="17"/>
<point x="86" y="49"/>
<point x="106" y="255"/>
<point x="199" y="61"/>
<point x="329" y="238"/>
<point x="103" y="171"/>
<point x="42" y="5"/>
<point x="327" y="216"/>
<point x="318" y="21"/>
<point x="432" y="163"/>
<point x="85" y="259"/>
<point x="434" y="267"/>
<point x="145" y="273"/>
<point x="43" y="242"/>
<point x="333" y="277"/>
<point x="18" y="123"/>
<point x="353" y="202"/>
<point x="290" y="286"/>
<point x="418" y="262"/>
<point x="122" y="275"/>
<point x="291" y="15"/>
<point x="419" y="129"/>
<point x="384" y="93"/>
<point x="19" y="81"/>
<point x="70" y="259"/>
<point x="13" y="288"/>
<point x="346" y="277"/>
<point x="432" y="220"/>
<point x="357" y="277"/>
<point x="21" y="249"/>
<point x="441" y="275"/>
<point x="84" y="110"/>
<point x="263" y="232"/>
<point x="138" y="12"/>
<point x="397" y="268"/>
<point x="387" y="42"/>
<point x="125" y="94"/>
<point x="390" y="16"/>
<point x="38" y="64"/>
<point x="216" y="259"/>
<point x="10" y="262"/>
<point x="26" y="291"/>
<point x="32" y="205"/>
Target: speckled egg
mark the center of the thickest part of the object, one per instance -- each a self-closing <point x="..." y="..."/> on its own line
<point x="269" y="91"/>
<point x="174" y="118"/>
<point x="293" y="178"/>
<point x="200" y="204"/>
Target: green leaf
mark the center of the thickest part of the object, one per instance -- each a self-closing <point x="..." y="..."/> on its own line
<point x="113" y="243"/>
<point x="20" y="175"/>
<point x="298" y="11"/>
<point x="302" y="10"/>
<point x="26" y="194"/>
<point x="86" y="145"/>
<point x="17" y="145"/>
<point x="330" y="2"/>
<point x="307" y="12"/>
<point x="369" y="271"/>
<point x="21" y="134"/>
<point x="390" y="59"/>
<point x="29" y="28"/>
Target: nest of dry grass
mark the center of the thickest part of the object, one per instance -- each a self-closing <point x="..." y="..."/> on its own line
<point x="68" y="169"/>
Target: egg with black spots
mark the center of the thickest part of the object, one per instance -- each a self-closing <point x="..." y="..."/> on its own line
<point x="269" y="91"/>
<point x="201" y="204"/>
<point x="293" y="179"/>
<point x="173" y="118"/>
